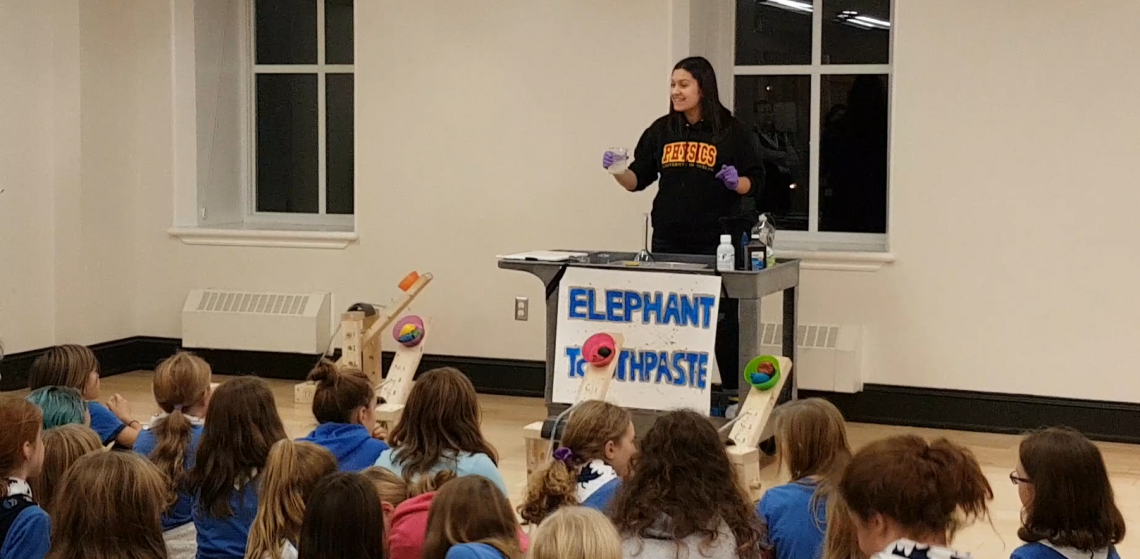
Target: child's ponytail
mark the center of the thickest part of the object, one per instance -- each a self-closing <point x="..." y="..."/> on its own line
<point x="180" y="383"/>
<point x="591" y="426"/>
<point x="339" y="392"/>
<point x="927" y="488"/>
<point x="551" y="487"/>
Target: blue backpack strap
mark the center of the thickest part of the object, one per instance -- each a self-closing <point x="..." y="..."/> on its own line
<point x="10" y="509"/>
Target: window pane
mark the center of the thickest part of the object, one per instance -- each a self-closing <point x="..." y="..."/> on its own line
<point x="856" y="31"/>
<point x="853" y="154"/>
<point x="339" y="151"/>
<point x="287" y="143"/>
<point x="777" y="111"/>
<point x="773" y="32"/>
<point x="338" y="31"/>
<point x="286" y="31"/>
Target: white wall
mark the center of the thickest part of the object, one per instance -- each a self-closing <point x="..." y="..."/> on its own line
<point x="67" y="260"/>
<point x="479" y="128"/>
<point x="1013" y="204"/>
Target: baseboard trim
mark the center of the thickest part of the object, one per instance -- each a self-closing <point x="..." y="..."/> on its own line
<point x="878" y="403"/>
<point x="989" y="412"/>
<point x="510" y="377"/>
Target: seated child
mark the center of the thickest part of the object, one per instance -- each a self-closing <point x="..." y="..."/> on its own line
<point x="75" y="366"/>
<point x="345" y="406"/>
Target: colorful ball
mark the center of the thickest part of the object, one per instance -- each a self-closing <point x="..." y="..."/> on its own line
<point x="409" y="331"/>
<point x="762" y="372"/>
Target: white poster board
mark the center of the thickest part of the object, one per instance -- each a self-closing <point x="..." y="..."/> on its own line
<point x="669" y="324"/>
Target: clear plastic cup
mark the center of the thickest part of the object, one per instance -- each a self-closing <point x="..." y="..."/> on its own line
<point x="621" y="161"/>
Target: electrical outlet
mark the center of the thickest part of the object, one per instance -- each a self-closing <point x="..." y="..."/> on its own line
<point x="522" y="308"/>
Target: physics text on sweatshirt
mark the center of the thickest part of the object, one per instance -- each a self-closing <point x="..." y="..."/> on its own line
<point x="351" y="443"/>
<point x="690" y="200"/>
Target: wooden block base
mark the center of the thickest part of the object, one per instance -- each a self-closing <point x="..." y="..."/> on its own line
<point x="388" y="415"/>
<point x="537" y="448"/>
<point x="303" y="392"/>
<point x="746" y="464"/>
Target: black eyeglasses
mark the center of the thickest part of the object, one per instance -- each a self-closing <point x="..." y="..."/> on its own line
<point x="1016" y="479"/>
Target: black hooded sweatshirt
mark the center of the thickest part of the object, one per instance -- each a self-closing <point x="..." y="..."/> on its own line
<point x="691" y="201"/>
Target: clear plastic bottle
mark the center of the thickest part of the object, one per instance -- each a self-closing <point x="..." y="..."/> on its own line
<point x="725" y="255"/>
<point x="760" y="254"/>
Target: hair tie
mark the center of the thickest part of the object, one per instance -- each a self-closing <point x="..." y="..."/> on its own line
<point x="178" y="407"/>
<point x="564" y="455"/>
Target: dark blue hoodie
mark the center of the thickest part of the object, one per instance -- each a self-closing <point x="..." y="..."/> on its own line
<point x="351" y="443"/>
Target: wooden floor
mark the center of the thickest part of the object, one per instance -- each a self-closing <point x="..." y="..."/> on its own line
<point x="504" y="417"/>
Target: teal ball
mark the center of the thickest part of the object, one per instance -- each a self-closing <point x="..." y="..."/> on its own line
<point x="759" y="378"/>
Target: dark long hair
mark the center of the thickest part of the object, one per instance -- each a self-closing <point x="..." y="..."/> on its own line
<point x="712" y="109"/>
<point x="343" y="520"/>
<point x="242" y="424"/>
<point x="441" y="418"/>
<point x="1073" y="504"/>
<point x="682" y="472"/>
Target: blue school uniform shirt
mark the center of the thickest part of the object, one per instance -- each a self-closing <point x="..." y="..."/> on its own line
<point x="225" y="538"/>
<point x="1045" y="550"/>
<point x="463" y="464"/>
<point x="29" y="534"/>
<point x="794" y="530"/>
<point x="473" y="551"/>
<point x="104" y="422"/>
<point x="351" y="443"/>
<point x="182" y="512"/>
<point x="598" y="482"/>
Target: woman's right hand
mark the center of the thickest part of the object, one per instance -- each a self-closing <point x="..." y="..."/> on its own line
<point x="609" y="158"/>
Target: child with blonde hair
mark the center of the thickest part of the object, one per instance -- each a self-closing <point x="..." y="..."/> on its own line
<point x="393" y="491"/>
<point x="575" y="533"/>
<point x="114" y="509"/>
<point x="62" y="447"/>
<point x="25" y="531"/>
<point x="813" y="447"/>
<point x="75" y="366"/>
<point x="292" y="470"/>
<point x="439" y="430"/>
<point x="242" y="424"/>
<point x="181" y="388"/>
<point x="586" y="469"/>
<point x="471" y="519"/>
<point x="345" y="406"/>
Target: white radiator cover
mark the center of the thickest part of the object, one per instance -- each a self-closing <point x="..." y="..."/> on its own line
<point x="281" y="322"/>
<point x="829" y="357"/>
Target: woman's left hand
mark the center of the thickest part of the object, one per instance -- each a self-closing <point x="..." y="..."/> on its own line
<point x="730" y="177"/>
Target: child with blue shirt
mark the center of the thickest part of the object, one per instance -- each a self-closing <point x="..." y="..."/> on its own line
<point x="1070" y="511"/>
<point x="439" y="430"/>
<point x="587" y="468"/>
<point x="25" y="530"/>
<point x="182" y="390"/>
<point x="75" y="366"/>
<point x="813" y="440"/>
<point x="471" y="519"/>
<point x="242" y="424"/>
<point x="345" y="406"/>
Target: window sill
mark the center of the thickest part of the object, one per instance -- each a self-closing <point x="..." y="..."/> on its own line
<point x="838" y="261"/>
<point x="245" y="236"/>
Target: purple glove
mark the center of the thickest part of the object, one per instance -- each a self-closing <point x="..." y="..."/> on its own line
<point x="609" y="158"/>
<point x="729" y="176"/>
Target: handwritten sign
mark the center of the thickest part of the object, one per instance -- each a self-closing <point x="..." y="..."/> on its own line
<point x="669" y="324"/>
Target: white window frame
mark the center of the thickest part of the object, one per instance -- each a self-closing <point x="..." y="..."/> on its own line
<point x="321" y="69"/>
<point x="813" y="239"/>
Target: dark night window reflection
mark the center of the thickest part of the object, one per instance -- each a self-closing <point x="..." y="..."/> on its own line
<point x="777" y="112"/>
<point x="770" y="32"/>
<point x="856" y="31"/>
<point x="853" y="154"/>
